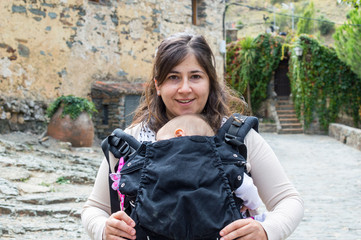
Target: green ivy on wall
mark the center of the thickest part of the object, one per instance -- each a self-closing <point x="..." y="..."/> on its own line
<point x="252" y="64"/>
<point x="322" y="84"/>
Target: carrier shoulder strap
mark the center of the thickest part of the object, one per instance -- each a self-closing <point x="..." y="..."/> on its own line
<point x="235" y="129"/>
<point x="120" y="144"/>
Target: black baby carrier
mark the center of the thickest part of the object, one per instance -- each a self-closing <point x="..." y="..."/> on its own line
<point x="181" y="188"/>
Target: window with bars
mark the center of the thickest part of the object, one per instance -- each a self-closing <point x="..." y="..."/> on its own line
<point x="105" y="118"/>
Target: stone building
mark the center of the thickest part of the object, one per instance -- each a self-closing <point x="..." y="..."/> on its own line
<point x="50" y="48"/>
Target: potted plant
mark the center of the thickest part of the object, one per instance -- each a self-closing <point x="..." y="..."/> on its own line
<point x="70" y="120"/>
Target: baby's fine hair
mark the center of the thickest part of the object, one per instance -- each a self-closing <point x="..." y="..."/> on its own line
<point x="191" y="124"/>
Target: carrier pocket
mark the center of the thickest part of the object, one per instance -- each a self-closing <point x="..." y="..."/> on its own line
<point x="234" y="165"/>
<point x="130" y="176"/>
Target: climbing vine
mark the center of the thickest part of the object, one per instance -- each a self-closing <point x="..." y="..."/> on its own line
<point x="253" y="64"/>
<point x="322" y="84"/>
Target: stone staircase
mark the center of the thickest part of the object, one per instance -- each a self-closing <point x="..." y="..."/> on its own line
<point x="287" y="117"/>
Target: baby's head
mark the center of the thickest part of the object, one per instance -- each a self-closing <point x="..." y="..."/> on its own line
<point x="185" y="125"/>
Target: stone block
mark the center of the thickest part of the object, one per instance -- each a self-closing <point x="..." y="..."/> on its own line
<point x="267" y="127"/>
<point x="345" y="134"/>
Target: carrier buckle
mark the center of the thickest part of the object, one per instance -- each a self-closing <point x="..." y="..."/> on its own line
<point x="228" y="137"/>
<point x="124" y="149"/>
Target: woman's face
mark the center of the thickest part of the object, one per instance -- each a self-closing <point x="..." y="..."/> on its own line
<point x="185" y="89"/>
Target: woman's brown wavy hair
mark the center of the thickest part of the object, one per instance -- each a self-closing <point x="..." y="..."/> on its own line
<point x="170" y="53"/>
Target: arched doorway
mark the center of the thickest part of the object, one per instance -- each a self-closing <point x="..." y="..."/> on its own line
<point x="282" y="83"/>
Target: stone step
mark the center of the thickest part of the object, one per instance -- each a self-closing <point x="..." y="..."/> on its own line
<point x="291" y="131"/>
<point x="288" y="120"/>
<point x="291" y="125"/>
<point x="285" y="107"/>
<point x="283" y="111"/>
<point x="281" y="103"/>
<point x="287" y="116"/>
<point x="60" y="227"/>
<point x="283" y="98"/>
<point x="30" y="210"/>
<point x="47" y="200"/>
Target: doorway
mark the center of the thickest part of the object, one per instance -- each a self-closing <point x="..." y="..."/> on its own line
<point x="282" y="82"/>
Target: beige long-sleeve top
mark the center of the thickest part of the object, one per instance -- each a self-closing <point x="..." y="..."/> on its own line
<point x="281" y="199"/>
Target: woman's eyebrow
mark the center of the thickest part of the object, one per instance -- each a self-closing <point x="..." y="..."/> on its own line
<point x="193" y="71"/>
<point x="196" y="71"/>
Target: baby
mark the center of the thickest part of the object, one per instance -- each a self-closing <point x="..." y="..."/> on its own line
<point x="193" y="124"/>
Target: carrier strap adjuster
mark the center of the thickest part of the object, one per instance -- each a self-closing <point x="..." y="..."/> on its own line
<point x="124" y="149"/>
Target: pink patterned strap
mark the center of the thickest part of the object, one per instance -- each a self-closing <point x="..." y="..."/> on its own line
<point x="121" y="196"/>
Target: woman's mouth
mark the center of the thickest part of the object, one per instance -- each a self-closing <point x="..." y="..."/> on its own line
<point x="184" y="101"/>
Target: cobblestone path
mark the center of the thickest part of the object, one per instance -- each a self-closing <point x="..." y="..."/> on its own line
<point x="327" y="173"/>
<point x="42" y="188"/>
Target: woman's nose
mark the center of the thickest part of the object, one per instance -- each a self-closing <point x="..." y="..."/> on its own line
<point x="184" y="86"/>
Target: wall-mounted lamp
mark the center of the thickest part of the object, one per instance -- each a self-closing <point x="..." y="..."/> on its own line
<point x="298" y="51"/>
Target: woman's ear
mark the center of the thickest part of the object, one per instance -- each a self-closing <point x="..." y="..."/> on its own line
<point x="156" y="86"/>
<point x="179" y="132"/>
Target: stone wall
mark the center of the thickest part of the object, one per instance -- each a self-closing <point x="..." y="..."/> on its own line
<point x="21" y="115"/>
<point x="345" y="134"/>
<point x="315" y="126"/>
<point x="53" y="48"/>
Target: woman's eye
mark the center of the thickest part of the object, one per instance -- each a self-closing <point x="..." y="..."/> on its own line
<point x="173" y="77"/>
<point x="196" y="76"/>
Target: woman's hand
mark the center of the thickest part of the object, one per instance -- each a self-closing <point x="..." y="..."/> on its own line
<point x="247" y="229"/>
<point x="119" y="226"/>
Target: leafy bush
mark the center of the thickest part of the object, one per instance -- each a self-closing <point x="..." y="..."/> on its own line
<point x="73" y="106"/>
<point x="305" y="25"/>
<point x="239" y="25"/>
<point x="325" y="26"/>
<point x="348" y="41"/>
<point x="355" y="3"/>
<point x="250" y="63"/>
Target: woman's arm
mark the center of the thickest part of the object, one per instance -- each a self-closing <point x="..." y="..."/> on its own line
<point x="96" y="213"/>
<point x="96" y="217"/>
<point x="282" y="200"/>
<point x="97" y="208"/>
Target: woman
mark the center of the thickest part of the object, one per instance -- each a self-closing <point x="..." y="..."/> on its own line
<point x="184" y="81"/>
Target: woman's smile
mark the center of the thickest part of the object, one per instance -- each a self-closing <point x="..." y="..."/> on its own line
<point x="184" y="101"/>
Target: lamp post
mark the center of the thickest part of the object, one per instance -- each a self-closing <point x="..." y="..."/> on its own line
<point x="298" y="51"/>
